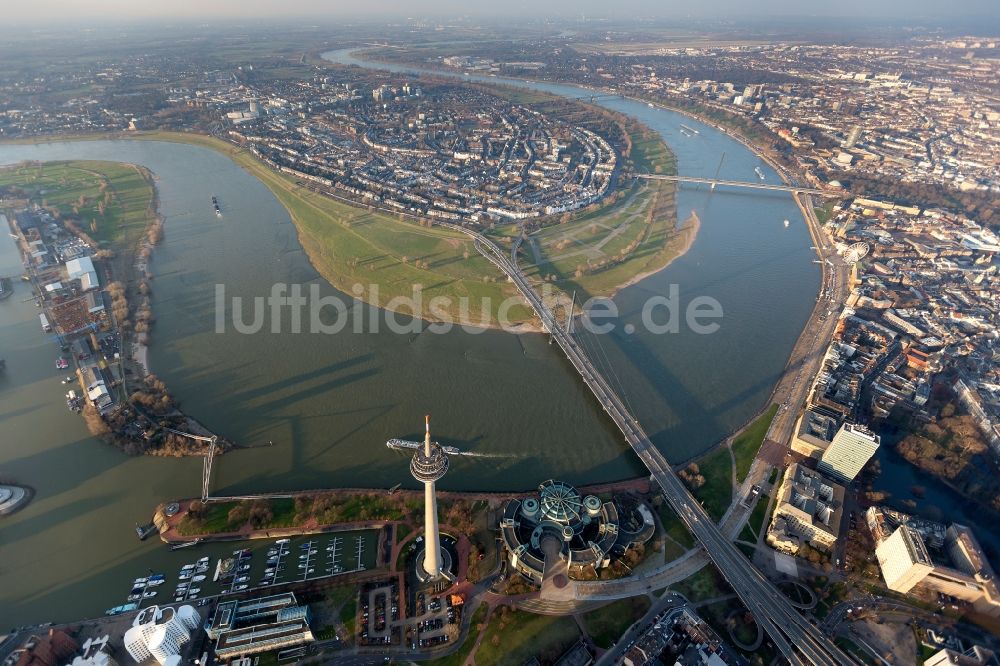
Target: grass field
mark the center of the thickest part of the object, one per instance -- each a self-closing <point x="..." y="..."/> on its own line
<point x="706" y="584"/>
<point x="216" y="520"/>
<point x="113" y="201"/>
<point x="674" y="528"/>
<point x="596" y="252"/>
<point x="351" y="245"/>
<point x="283" y="513"/>
<point x="717" y="492"/>
<point x="759" y="515"/>
<point x="349" y="613"/>
<point x="606" y="625"/>
<point x="514" y="637"/>
<point x="747" y="443"/>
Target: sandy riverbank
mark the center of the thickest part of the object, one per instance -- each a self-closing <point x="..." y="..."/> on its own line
<point x="685" y="235"/>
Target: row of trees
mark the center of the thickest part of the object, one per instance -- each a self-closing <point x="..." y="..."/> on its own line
<point x="976" y="204"/>
<point x="153" y="396"/>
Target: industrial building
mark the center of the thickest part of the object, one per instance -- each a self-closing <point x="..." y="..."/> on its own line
<point x="808" y="508"/>
<point x="579" y="534"/>
<point x="851" y="449"/>
<point x="82" y="269"/>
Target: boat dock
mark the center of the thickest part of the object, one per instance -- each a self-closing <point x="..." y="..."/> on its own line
<point x="144" y="531"/>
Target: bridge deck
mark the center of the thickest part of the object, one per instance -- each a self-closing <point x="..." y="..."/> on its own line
<point x="791" y="633"/>
<point x="742" y="184"/>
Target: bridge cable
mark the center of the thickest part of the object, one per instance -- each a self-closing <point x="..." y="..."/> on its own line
<point x="609" y="367"/>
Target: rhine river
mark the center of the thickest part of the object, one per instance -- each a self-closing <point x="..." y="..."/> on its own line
<point x="329" y="402"/>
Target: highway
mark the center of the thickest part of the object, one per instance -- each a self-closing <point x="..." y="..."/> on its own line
<point x="740" y="183"/>
<point x="797" y="639"/>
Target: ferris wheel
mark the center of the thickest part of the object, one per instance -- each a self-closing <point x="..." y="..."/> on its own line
<point x="856" y="252"/>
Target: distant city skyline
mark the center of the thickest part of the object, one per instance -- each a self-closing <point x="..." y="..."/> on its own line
<point x="62" y="10"/>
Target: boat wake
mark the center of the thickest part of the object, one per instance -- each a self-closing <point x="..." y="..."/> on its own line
<point x="406" y="445"/>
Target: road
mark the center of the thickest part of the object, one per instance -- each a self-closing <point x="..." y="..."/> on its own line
<point x="805" y="360"/>
<point x="666" y="602"/>
<point x="797" y="639"/>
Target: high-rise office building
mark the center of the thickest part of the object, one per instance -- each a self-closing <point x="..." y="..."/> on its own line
<point x="853" y="136"/>
<point x="904" y="559"/>
<point x="851" y="449"/>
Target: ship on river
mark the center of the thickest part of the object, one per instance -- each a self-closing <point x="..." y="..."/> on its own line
<point x="404" y="445"/>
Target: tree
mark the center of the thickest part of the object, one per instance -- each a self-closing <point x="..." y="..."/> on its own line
<point x="238" y="515"/>
<point x="260" y="514"/>
<point x="197" y="511"/>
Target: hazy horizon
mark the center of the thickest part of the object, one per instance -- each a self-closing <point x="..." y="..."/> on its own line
<point x="68" y="10"/>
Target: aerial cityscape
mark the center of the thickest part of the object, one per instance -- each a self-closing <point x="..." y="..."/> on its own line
<point x="562" y="334"/>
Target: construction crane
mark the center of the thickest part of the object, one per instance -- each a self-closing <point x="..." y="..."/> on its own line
<point x="206" y="468"/>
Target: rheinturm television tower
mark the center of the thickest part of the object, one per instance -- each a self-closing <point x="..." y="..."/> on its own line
<point x="428" y="465"/>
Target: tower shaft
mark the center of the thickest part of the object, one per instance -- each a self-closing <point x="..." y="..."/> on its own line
<point x="429" y="464"/>
<point x="432" y="554"/>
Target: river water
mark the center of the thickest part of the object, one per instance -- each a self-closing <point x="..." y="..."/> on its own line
<point x="328" y="403"/>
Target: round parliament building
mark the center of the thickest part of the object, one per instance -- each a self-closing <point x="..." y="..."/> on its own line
<point x="578" y="535"/>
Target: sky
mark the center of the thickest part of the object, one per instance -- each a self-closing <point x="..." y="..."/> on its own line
<point x="43" y="10"/>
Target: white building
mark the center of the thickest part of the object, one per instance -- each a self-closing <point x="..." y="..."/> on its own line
<point x="160" y="633"/>
<point x="95" y="652"/>
<point x="808" y="508"/>
<point x="851" y="449"/>
<point x="904" y="559"/>
<point x="974" y="656"/>
<point x="82" y="269"/>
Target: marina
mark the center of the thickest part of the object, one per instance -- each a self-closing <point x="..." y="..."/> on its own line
<point x="260" y="565"/>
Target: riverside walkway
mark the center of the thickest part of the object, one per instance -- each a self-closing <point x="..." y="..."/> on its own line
<point x="797" y="639"/>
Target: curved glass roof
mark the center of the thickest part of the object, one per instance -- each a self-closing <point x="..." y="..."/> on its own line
<point x="560" y="501"/>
